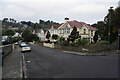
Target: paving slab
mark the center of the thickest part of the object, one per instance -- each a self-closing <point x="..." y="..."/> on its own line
<point x="12" y="64"/>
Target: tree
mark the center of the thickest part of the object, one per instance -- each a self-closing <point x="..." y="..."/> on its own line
<point x="48" y="35"/>
<point x="27" y="35"/>
<point x="74" y="35"/>
<point x="95" y="38"/>
<point x="8" y="32"/>
<point x="54" y="36"/>
<point x="115" y="24"/>
<point x="35" y="37"/>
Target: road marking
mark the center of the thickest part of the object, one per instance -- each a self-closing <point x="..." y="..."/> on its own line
<point x="28" y="61"/>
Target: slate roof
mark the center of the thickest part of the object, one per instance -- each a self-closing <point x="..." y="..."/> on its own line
<point x="76" y="24"/>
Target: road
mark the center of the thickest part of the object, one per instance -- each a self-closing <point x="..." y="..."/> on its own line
<point x="44" y="62"/>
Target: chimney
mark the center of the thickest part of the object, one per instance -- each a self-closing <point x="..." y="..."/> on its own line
<point x="66" y="19"/>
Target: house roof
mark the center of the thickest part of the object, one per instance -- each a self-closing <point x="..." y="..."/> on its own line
<point x="76" y="24"/>
<point x="55" y="26"/>
<point x="39" y="31"/>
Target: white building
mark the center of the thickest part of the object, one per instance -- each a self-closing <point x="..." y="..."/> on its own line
<point x="17" y="35"/>
<point x="41" y="34"/>
<point x="54" y="30"/>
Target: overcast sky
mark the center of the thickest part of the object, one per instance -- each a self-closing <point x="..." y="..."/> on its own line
<point x="89" y="11"/>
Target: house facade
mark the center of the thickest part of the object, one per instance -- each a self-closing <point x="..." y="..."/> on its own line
<point x="54" y="30"/>
<point x="86" y="31"/>
<point x="40" y="33"/>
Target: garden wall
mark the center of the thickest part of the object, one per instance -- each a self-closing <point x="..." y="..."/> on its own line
<point x="48" y="45"/>
<point x="88" y="48"/>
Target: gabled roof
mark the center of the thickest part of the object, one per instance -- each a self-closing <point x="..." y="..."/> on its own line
<point x="76" y="24"/>
<point x="55" y="26"/>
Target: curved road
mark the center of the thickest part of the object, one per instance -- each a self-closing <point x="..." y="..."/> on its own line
<point x="44" y="62"/>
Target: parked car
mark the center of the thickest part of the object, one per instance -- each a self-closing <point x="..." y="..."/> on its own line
<point x="16" y="43"/>
<point x="22" y="44"/>
<point x="26" y="48"/>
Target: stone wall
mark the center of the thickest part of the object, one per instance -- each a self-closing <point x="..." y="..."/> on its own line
<point x="51" y="45"/>
<point x="6" y="49"/>
<point x="88" y="48"/>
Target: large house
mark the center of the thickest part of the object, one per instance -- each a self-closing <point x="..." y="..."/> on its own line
<point x="86" y="31"/>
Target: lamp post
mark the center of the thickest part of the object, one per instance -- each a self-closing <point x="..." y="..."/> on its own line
<point x="110" y="11"/>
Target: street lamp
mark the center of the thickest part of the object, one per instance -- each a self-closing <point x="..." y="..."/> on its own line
<point x="110" y="11"/>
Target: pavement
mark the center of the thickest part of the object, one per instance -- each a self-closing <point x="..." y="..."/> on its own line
<point x="12" y="67"/>
<point x="43" y="62"/>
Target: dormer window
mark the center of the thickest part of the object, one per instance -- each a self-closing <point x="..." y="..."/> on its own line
<point x="84" y="31"/>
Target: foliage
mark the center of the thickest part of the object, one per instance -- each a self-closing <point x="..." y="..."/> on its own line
<point x="60" y="40"/>
<point x="54" y="36"/>
<point x="74" y="44"/>
<point x="8" y="32"/>
<point x="103" y="26"/>
<point x="100" y="27"/>
<point x="48" y="35"/>
<point x="65" y="43"/>
<point x="80" y="42"/>
<point x="28" y="36"/>
<point x="102" y="42"/>
<point x="35" y="37"/>
<point x="95" y="38"/>
<point x="74" y="35"/>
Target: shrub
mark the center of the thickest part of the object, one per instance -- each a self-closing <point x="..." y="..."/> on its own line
<point x="74" y="44"/>
<point x="79" y="41"/>
<point x="60" y="40"/>
<point x="54" y="36"/>
<point x="84" y="42"/>
<point x="102" y="42"/>
<point x="65" y="43"/>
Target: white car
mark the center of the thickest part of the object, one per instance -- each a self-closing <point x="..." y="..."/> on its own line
<point x="22" y="44"/>
<point x="26" y="48"/>
<point x="16" y="43"/>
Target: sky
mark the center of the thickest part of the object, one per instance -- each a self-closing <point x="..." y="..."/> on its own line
<point x="88" y="11"/>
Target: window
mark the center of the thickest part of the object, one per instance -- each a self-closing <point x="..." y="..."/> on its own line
<point x="60" y="31"/>
<point x="63" y="31"/>
<point x="84" y="31"/>
<point x="91" y="33"/>
<point x="68" y="30"/>
<point x="52" y="31"/>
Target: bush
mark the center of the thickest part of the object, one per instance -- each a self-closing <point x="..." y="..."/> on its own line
<point x="74" y="44"/>
<point x="60" y="40"/>
<point x="65" y="43"/>
<point x="80" y="42"/>
<point x="84" y="42"/>
<point x="102" y="42"/>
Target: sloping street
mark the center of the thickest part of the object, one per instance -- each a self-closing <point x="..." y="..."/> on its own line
<point x="44" y="62"/>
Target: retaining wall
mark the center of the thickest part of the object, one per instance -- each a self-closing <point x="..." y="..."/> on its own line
<point x="6" y="49"/>
<point x="48" y="45"/>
